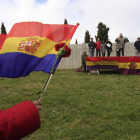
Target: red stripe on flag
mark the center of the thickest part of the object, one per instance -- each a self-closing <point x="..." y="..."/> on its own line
<point x="53" y="32"/>
<point x="2" y="39"/>
<point x="119" y="59"/>
<point x="128" y="59"/>
<point x="101" y="58"/>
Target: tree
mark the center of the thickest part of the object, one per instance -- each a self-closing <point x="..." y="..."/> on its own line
<point x="102" y="32"/>
<point x="87" y="37"/>
<point x="65" y="21"/>
<point x="3" y="30"/>
<point x="126" y="39"/>
<point x="76" y="42"/>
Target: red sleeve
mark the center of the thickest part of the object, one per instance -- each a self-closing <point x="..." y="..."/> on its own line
<point x="19" y="121"/>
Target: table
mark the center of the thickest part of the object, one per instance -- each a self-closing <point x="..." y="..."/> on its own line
<point x="124" y="65"/>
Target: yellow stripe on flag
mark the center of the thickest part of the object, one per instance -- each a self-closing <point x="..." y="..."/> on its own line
<point x="130" y="65"/>
<point x="91" y="63"/>
<point x="37" y="46"/>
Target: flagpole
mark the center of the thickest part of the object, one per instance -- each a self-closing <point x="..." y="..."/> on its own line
<point x="51" y="73"/>
<point x="49" y="79"/>
<point x="45" y="87"/>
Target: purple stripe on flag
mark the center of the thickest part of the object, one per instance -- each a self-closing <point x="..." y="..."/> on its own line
<point x="17" y="64"/>
<point x="129" y="71"/>
<point x="97" y="67"/>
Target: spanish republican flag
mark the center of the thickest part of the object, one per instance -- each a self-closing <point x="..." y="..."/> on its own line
<point x="30" y="46"/>
<point x="124" y="65"/>
<point x="96" y="63"/>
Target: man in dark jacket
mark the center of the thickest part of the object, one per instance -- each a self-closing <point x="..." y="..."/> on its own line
<point x="137" y="45"/>
<point x="108" y="47"/>
<point x="92" y="47"/>
<point x="83" y="60"/>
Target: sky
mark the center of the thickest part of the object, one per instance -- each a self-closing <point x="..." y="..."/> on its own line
<point x="121" y="16"/>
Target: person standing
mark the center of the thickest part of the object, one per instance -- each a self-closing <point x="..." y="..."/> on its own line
<point x="98" y="45"/>
<point x="83" y="60"/>
<point x="108" y="47"/>
<point x="92" y="47"/>
<point x="137" y="46"/>
<point x="120" y="44"/>
<point x="103" y="48"/>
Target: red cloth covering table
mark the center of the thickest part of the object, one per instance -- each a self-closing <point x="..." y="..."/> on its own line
<point x="124" y="65"/>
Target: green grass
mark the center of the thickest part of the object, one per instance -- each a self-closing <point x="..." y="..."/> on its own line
<point x="78" y="106"/>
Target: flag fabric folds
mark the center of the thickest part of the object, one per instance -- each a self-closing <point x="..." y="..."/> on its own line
<point x="124" y="65"/>
<point x="129" y="65"/>
<point x="94" y="63"/>
<point x="30" y="46"/>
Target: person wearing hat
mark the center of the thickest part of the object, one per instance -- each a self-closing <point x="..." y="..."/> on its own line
<point x="92" y="47"/>
<point x="137" y="46"/>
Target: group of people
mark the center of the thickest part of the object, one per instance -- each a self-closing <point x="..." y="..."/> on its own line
<point x="102" y="47"/>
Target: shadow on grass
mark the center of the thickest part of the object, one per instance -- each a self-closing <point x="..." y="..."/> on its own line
<point x="108" y="72"/>
<point x="103" y="72"/>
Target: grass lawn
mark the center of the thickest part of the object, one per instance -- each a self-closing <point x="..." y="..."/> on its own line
<point x="78" y="106"/>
